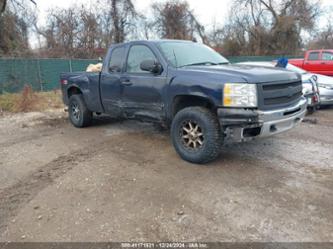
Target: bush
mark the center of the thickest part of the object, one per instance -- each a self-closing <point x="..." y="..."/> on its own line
<point x="29" y="100"/>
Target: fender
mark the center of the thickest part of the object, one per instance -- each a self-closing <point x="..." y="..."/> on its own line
<point x="90" y="94"/>
<point x="184" y="85"/>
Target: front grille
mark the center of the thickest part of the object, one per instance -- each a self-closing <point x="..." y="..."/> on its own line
<point x="282" y="100"/>
<point x="279" y="94"/>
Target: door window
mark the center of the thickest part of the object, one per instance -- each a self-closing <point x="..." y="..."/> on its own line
<point x="116" y="60"/>
<point x="138" y="54"/>
<point x="327" y="56"/>
<point x="314" y="56"/>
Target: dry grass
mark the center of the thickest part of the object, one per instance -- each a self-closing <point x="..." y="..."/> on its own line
<point x="29" y="101"/>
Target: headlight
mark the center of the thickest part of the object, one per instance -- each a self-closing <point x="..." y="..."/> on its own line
<point x="307" y="88"/>
<point x="240" y="95"/>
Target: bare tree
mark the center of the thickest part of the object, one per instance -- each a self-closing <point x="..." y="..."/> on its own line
<point x="175" y="20"/>
<point x="70" y="32"/>
<point x="3" y="4"/>
<point x="15" y="23"/>
<point x="270" y="27"/>
<point x="123" y="15"/>
<point x="81" y="32"/>
<point x="323" y="39"/>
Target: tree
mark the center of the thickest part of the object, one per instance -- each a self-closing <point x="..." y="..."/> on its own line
<point x="15" y="23"/>
<point x="270" y="27"/>
<point x="80" y="32"/>
<point x="323" y="39"/>
<point x="175" y="20"/>
<point x="71" y="32"/>
<point x="123" y="14"/>
<point x="3" y="4"/>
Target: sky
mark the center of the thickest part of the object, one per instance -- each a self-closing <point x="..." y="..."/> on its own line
<point x="206" y="11"/>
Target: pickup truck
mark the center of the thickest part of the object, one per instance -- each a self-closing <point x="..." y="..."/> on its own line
<point x="316" y="61"/>
<point x="189" y="88"/>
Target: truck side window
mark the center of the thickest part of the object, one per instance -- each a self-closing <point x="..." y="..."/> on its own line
<point x="137" y="54"/>
<point x="327" y="56"/>
<point x="116" y="60"/>
<point x="314" y="56"/>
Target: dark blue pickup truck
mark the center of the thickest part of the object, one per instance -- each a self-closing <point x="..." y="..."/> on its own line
<point x="192" y="89"/>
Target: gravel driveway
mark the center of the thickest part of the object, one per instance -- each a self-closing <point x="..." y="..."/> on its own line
<point x="123" y="181"/>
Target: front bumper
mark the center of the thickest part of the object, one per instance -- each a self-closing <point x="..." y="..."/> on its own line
<point x="243" y="124"/>
<point x="326" y="96"/>
<point x="326" y="100"/>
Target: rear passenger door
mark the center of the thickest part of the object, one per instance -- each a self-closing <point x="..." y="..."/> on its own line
<point x="141" y="90"/>
<point x="327" y="63"/>
<point x="110" y="82"/>
<point x="313" y="63"/>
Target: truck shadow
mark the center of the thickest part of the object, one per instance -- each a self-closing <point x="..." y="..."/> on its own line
<point x="102" y="120"/>
<point x="248" y="152"/>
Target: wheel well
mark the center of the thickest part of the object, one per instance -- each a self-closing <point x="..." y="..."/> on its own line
<point x="183" y="101"/>
<point x="73" y="90"/>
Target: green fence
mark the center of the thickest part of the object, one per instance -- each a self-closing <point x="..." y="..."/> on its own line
<point x="236" y="59"/>
<point x="43" y="74"/>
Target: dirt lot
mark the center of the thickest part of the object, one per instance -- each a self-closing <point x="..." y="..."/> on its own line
<point x="121" y="181"/>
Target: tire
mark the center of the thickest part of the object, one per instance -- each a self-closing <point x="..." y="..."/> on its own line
<point x="206" y="137"/>
<point x="311" y="110"/>
<point x="79" y="115"/>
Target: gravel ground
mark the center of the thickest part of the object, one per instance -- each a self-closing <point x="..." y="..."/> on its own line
<point x="123" y="181"/>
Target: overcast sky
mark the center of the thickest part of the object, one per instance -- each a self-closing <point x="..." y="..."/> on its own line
<point x="207" y="11"/>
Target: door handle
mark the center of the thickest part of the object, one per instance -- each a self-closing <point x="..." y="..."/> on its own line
<point x="126" y="82"/>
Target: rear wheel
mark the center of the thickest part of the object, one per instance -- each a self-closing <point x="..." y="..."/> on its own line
<point x="79" y="115"/>
<point x="196" y="135"/>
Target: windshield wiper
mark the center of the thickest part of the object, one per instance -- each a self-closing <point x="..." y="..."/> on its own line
<point x="205" y="63"/>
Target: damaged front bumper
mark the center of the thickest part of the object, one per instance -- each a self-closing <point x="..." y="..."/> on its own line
<point x="241" y="125"/>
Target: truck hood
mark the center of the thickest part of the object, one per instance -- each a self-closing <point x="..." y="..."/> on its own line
<point x="322" y="79"/>
<point x="251" y="74"/>
<point x="307" y="76"/>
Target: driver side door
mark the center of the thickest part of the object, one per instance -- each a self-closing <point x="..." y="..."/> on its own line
<point x="141" y="90"/>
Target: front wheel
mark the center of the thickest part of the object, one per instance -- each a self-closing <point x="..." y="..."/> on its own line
<point x="196" y="135"/>
<point x="79" y="115"/>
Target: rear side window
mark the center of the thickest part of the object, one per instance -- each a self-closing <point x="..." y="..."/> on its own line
<point x="137" y="54"/>
<point x="327" y="56"/>
<point x="116" y="61"/>
<point x="314" y="56"/>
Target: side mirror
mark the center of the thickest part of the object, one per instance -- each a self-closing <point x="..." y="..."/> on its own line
<point x="151" y="66"/>
<point x="115" y="69"/>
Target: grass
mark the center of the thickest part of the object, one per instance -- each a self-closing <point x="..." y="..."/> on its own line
<point x="30" y="101"/>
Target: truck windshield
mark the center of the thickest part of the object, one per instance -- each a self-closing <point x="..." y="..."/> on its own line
<point x="181" y="54"/>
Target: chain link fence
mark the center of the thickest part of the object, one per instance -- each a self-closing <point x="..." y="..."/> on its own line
<point x="43" y="74"/>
